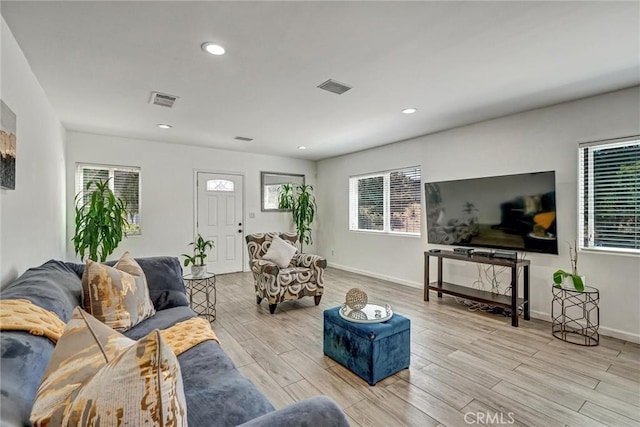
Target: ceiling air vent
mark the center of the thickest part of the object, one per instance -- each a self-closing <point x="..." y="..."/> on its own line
<point x="243" y="138"/>
<point x="162" y="99"/>
<point x="334" y="86"/>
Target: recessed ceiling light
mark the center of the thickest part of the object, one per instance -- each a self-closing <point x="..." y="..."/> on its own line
<point x="213" y="48"/>
<point x="302" y="147"/>
<point x="409" y="110"/>
<point x="164" y="126"/>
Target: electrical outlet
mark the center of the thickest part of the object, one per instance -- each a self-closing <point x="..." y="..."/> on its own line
<point x="333" y="253"/>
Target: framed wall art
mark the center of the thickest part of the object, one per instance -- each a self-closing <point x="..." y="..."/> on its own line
<point x="7" y="147"/>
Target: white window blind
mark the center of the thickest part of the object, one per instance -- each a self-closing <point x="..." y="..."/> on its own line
<point x="609" y="195"/>
<point x="124" y="181"/>
<point x="387" y="202"/>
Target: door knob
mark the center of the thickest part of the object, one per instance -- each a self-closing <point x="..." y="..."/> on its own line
<point x="240" y="231"/>
<point x="239" y="224"/>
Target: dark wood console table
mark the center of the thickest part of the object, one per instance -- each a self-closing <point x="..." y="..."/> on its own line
<point x="511" y="302"/>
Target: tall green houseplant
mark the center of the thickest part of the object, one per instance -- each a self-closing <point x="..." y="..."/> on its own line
<point x="302" y="204"/>
<point x="101" y="221"/>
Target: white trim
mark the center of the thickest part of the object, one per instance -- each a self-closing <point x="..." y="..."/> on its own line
<point x="603" y="330"/>
<point x="387" y="233"/>
<point x="111" y="168"/>
<point x="614" y="142"/>
<point x="244" y="213"/>
<point x="386" y="201"/>
<point x="377" y="276"/>
<point x="586" y="152"/>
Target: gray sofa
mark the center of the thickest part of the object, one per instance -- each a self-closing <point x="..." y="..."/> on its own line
<point x="217" y="394"/>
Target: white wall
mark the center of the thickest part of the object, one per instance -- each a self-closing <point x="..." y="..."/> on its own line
<point x="543" y="139"/>
<point x="32" y="217"/>
<point x="167" y="195"/>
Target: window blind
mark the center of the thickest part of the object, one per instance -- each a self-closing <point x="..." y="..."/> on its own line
<point x="386" y="201"/>
<point x="124" y="181"/>
<point x="609" y="195"/>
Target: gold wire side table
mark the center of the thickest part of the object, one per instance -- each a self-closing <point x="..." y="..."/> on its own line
<point x="202" y="294"/>
<point x="575" y="315"/>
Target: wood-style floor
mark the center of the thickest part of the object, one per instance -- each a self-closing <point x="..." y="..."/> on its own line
<point x="466" y="367"/>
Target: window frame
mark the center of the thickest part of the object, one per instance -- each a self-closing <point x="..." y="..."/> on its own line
<point x="585" y="178"/>
<point x="80" y="185"/>
<point x="386" y="200"/>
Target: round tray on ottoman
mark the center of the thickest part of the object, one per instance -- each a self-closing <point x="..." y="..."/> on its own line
<point x="370" y="313"/>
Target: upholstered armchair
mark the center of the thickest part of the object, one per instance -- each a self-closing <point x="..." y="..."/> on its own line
<point x="302" y="275"/>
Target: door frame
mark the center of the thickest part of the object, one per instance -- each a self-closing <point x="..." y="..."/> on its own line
<point x="194" y="188"/>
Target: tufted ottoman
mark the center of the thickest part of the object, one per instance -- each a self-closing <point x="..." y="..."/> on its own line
<point x="372" y="351"/>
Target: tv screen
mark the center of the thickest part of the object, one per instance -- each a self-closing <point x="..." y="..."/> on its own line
<point x="513" y="212"/>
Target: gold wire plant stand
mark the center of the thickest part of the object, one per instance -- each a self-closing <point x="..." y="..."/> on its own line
<point x="575" y="315"/>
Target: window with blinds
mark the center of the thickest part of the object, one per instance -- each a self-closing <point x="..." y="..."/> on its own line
<point x="387" y="202"/>
<point x="124" y="181"/>
<point x="609" y="195"/>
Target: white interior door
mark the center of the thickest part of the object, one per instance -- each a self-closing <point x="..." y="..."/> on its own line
<point x="219" y="218"/>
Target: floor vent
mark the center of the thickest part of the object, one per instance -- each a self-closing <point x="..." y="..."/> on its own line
<point x="334" y="86"/>
<point x="163" y="99"/>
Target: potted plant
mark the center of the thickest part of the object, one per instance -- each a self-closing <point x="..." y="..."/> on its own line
<point x="200" y="248"/>
<point x="560" y="276"/>
<point x="302" y="204"/>
<point x="100" y="219"/>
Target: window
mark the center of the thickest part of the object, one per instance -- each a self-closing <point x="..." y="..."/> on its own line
<point x="220" y="185"/>
<point x="386" y="202"/>
<point x="271" y="187"/>
<point x="609" y="195"/>
<point x="123" y="181"/>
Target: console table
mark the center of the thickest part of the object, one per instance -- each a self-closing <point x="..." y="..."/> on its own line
<point x="511" y="302"/>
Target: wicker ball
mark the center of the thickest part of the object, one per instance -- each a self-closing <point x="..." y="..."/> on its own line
<point x="356" y="299"/>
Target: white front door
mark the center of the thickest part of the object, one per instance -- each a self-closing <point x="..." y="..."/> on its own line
<point x="219" y="218"/>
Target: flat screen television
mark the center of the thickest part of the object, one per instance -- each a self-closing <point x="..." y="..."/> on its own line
<point x="511" y="212"/>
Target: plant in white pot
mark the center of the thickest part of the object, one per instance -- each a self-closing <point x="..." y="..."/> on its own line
<point x="561" y="277"/>
<point x="200" y="248"/>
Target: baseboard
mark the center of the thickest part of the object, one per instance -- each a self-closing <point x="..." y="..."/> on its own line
<point x="377" y="276"/>
<point x="609" y="332"/>
<point x="603" y="330"/>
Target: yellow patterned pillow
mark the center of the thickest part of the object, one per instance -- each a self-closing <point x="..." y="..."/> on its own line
<point x="140" y="387"/>
<point x="96" y="376"/>
<point x="86" y="345"/>
<point x="118" y="296"/>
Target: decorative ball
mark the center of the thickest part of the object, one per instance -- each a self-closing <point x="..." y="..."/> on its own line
<point x="358" y="315"/>
<point x="356" y="299"/>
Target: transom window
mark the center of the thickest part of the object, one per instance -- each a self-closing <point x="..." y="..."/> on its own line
<point x="387" y="202"/>
<point x="609" y="195"/>
<point x="220" y="185"/>
<point x="124" y="181"/>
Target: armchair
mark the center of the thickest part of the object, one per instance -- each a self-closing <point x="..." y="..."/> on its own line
<point x="304" y="276"/>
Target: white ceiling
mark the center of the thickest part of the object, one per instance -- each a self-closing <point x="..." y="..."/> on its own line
<point x="457" y="62"/>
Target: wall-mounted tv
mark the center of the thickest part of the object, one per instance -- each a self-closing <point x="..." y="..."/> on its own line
<point x="513" y="212"/>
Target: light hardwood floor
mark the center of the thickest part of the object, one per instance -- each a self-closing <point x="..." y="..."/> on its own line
<point x="466" y="367"/>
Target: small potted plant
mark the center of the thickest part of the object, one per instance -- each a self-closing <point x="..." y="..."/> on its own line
<point x="560" y="276"/>
<point x="200" y="248"/>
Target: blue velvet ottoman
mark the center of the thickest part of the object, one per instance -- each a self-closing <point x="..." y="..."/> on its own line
<point x="373" y="351"/>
